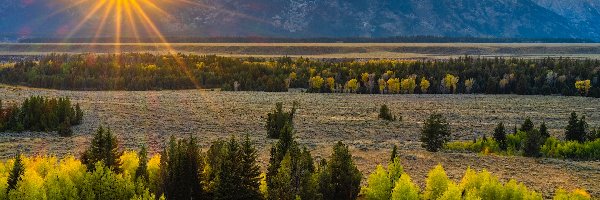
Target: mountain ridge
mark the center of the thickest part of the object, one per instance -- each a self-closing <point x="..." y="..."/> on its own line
<point x="330" y="18"/>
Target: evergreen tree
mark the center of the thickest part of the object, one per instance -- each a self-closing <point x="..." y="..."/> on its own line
<point x="277" y="120"/>
<point x="182" y="165"/>
<point x="394" y="153"/>
<point x="576" y="128"/>
<point x="78" y="115"/>
<point x="435" y="133"/>
<point x="532" y="143"/>
<point x="500" y="136"/>
<point x="527" y="125"/>
<point x="229" y="179"/>
<point x="104" y="148"/>
<point x="278" y="152"/>
<point x="141" y="172"/>
<point x="340" y="179"/>
<point x="16" y="173"/>
<point x="544" y="131"/>
<point x="250" y="176"/>
<point x="64" y="130"/>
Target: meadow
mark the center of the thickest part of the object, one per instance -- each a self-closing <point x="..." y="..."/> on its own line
<point x="151" y="117"/>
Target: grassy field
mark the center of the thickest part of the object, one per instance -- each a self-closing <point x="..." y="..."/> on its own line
<point x="322" y="50"/>
<point x="151" y="117"/>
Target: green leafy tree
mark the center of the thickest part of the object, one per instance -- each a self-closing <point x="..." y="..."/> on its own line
<point x="500" y="136"/>
<point x="437" y="183"/>
<point x="378" y="185"/>
<point x="340" y="179"/>
<point x="435" y="133"/>
<point x="103" y="148"/>
<point x="405" y="189"/>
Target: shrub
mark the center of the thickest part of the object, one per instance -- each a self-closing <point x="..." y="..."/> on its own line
<point x="577" y="194"/>
<point x="554" y="148"/>
<point x="435" y="133"/>
<point x="278" y="119"/>
<point x="385" y="113"/>
<point x="484" y="146"/>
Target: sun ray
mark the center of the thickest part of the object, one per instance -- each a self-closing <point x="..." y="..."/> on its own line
<point x="85" y="19"/>
<point x="131" y="20"/>
<point x="105" y="16"/>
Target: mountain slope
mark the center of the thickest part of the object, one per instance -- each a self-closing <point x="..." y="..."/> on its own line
<point x="330" y="18"/>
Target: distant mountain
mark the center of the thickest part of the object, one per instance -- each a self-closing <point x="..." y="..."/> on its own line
<point x="325" y="18"/>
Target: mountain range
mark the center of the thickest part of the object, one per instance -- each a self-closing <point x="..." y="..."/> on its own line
<point x="321" y="18"/>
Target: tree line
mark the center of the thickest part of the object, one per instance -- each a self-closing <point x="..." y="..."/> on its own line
<point x="39" y="113"/>
<point x="138" y="71"/>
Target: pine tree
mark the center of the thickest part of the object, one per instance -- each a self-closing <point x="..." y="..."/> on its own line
<point x="576" y="129"/>
<point x="141" y="172"/>
<point x="16" y="173"/>
<point x="104" y="148"/>
<point x="532" y="143"/>
<point x="527" y="125"/>
<point x="250" y="176"/>
<point x="394" y="153"/>
<point x="78" y="115"/>
<point x="582" y="128"/>
<point x="435" y="133"/>
<point x="278" y="152"/>
<point x="544" y="131"/>
<point x="500" y="136"/>
<point x="340" y="179"/>
<point x="182" y="170"/>
<point x="277" y="120"/>
<point x="64" y="130"/>
<point x="229" y="185"/>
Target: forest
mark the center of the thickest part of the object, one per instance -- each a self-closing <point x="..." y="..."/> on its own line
<point x="138" y="71"/>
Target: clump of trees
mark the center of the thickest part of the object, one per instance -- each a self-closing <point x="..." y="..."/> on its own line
<point x="580" y="142"/>
<point x="435" y="133"/>
<point x="140" y="71"/>
<point x="279" y="119"/>
<point x="38" y="113"/>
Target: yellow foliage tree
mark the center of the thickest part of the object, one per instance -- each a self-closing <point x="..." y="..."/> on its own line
<point x="316" y="82"/>
<point x="393" y="85"/>
<point x="364" y="77"/>
<point x="583" y="86"/>
<point x="409" y="85"/>
<point x="129" y="163"/>
<point x="382" y="85"/>
<point x="424" y="85"/>
<point x="331" y="84"/>
<point x="469" y="85"/>
<point x="352" y="85"/>
<point x="450" y="82"/>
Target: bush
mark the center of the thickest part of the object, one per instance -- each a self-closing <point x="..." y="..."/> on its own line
<point x="278" y="119"/>
<point x="554" y="148"/>
<point x="577" y="194"/>
<point x="485" y="146"/>
<point x="385" y="113"/>
<point x="435" y="133"/>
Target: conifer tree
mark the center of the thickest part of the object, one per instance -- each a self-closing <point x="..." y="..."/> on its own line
<point x="527" y="125"/>
<point x="250" y="176"/>
<point x="104" y="148"/>
<point x="16" y="173"/>
<point x="435" y="133"/>
<point x="394" y="153"/>
<point x="544" y="131"/>
<point x="576" y="128"/>
<point x="182" y="175"/>
<point x="278" y="152"/>
<point x="500" y="136"/>
<point x="277" y="120"/>
<point x="340" y="179"/>
<point x="141" y="172"/>
<point x="229" y="184"/>
<point x="532" y="143"/>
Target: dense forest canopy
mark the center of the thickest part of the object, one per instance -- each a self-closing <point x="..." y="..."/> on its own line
<point x="138" y="71"/>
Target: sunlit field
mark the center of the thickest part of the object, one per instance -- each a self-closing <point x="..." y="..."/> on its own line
<point x="319" y="50"/>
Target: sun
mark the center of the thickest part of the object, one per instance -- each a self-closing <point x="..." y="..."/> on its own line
<point x="119" y="18"/>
